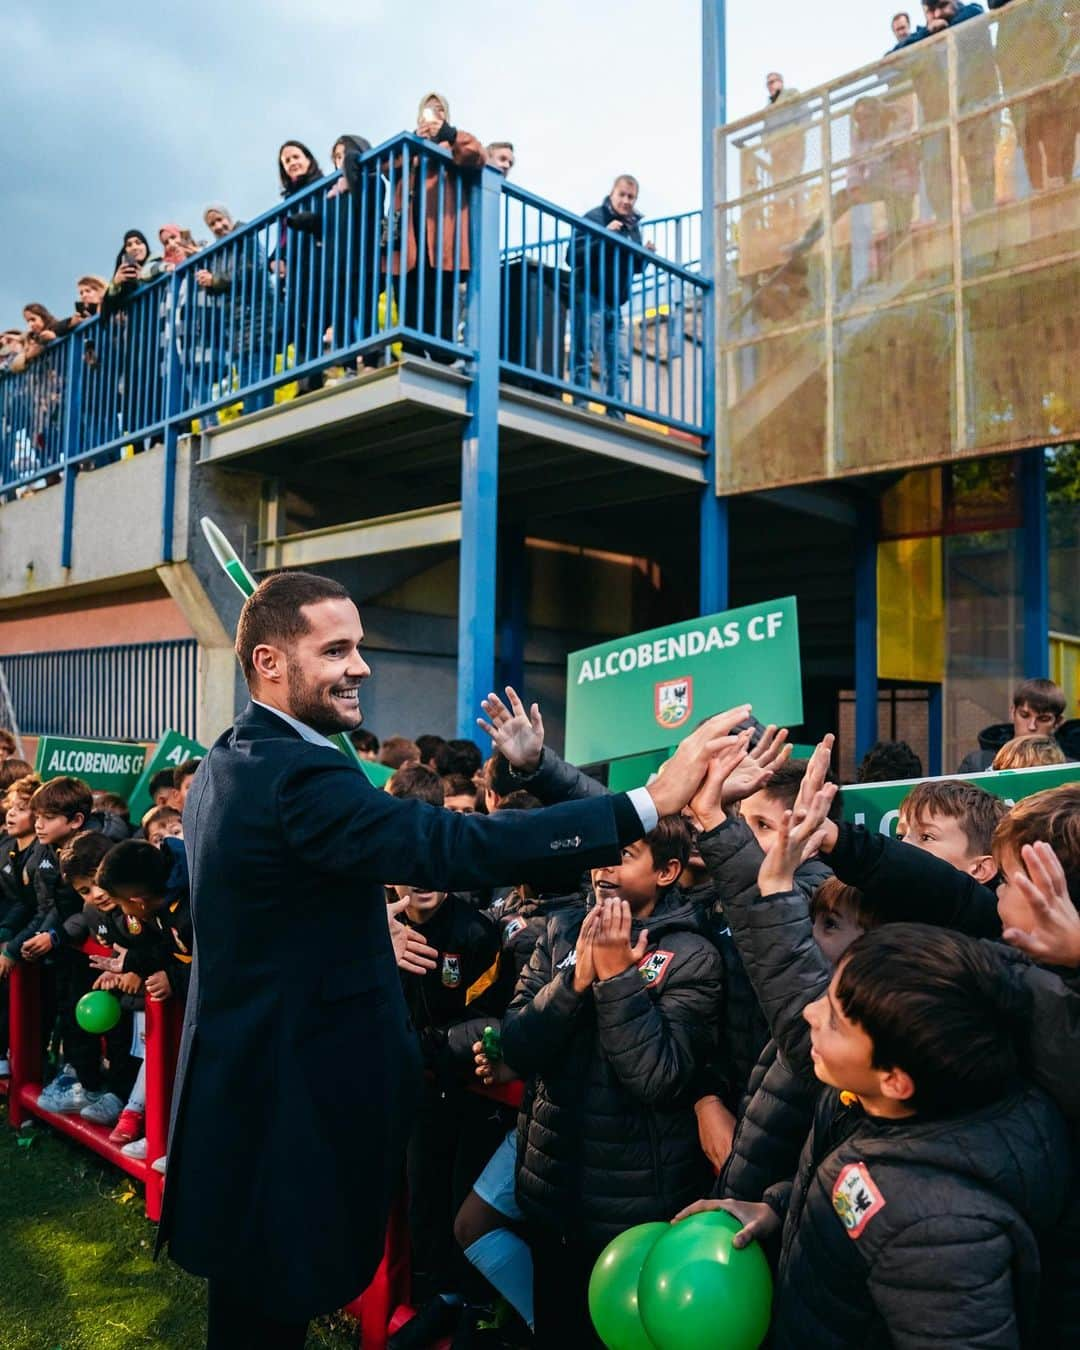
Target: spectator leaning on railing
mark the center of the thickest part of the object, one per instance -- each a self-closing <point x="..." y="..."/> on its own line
<point x="132" y="258"/>
<point x="297" y="260"/>
<point x="91" y="291"/>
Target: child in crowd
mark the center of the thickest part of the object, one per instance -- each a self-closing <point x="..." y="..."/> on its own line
<point x="455" y="1131"/>
<point x="11" y="770"/>
<point x="79" y="861"/>
<point x="8" y="744"/>
<point x="1037" y="708"/>
<point x="162" y="822"/>
<point x="955" y="822"/>
<point x="1028" y="752"/>
<point x="459" y="793"/>
<point x="183" y="776"/>
<point x="163" y="790"/>
<point x="917" y="1206"/>
<point x="149" y="887"/>
<point x="112" y="805"/>
<point x="62" y="808"/>
<point x="612" y="1020"/>
<point x="16" y="894"/>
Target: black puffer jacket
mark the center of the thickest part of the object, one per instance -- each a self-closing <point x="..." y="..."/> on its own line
<point x="607" y="1133"/>
<point x="904" y="1233"/>
<point x="920" y="1233"/>
<point x="772" y="1129"/>
<point x="733" y="857"/>
<point x="16" y="893"/>
<point x="521" y="920"/>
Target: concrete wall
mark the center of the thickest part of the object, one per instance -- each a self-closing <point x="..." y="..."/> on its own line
<point x="146" y="614"/>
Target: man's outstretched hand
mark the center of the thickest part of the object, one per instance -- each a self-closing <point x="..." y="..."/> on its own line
<point x="411" y="951"/>
<point x="685" y="772"/>
<point x="515" y="734"/>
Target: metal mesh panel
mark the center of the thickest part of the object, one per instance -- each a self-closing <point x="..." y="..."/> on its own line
<point x="926" y="211"/>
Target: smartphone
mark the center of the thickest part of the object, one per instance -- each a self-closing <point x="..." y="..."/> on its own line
<point x="130" y="260"/>
<point x="185" y="237"/>
<point x="81" y="307"/>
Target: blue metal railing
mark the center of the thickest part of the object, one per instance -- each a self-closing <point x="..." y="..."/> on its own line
<point x="361" y="266"/>
<point x="589" y="314"/>
<point x="134" y="692"/>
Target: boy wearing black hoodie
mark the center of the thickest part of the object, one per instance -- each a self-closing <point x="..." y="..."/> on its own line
<point x="612" y="1020"/>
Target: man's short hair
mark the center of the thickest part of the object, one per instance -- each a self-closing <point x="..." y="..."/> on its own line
<point x="500" y="145"/>
<point x="429" y="746"/>
<point x="900" y="14"/>
<point x="1029" y="752"/>
<point x="185" y="770"/>
<point x="627" y="178"/>
<point x="68" y="797"/>
<point x="398" y="751"/>
<point x="977" y="810"/>
<point x="458" y="785"/>
<point x="669" y="841"/>
<point x="886" y="761"/>
<point x="458" y="757"/>
<point x="82" y="855"/>
<point x="418" y="782"/>
<point x="834" y="896"/>
<point x="1041" y="696"/>
<point x="135" y="865"/>
<point x="159" y="815"/>
<point x="365" y="741"/>
<point x="1054" y="816"/>
<point x="273" y="615"/>
<point x="11" y="770"/>
<point x="8" y="741"/>
<point x="164" y="778"/>
<point x="938" y="1005"/>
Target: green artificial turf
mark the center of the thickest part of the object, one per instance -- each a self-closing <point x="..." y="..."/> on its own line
<point x="75" y="1258"/>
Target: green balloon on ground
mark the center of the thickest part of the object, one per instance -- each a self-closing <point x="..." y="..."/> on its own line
<point x="97" y="1012"/>
<point x="613" y="1287"/>
<point x="696" y="1289"/>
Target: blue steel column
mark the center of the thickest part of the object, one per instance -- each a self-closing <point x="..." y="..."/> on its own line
<point x="173" y="399"/>
<point x="73" y="372"/>
<point x="480" y="463"/>
<point x="1035" y="582"/>
<point x="866" y="629"/>
<point x="514" y="569"/>
<point x="713" y="522"/>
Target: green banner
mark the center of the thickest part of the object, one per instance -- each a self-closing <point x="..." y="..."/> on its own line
<point x="171" y="751"/>
<point x="646" y="691"/>
<point x="377" y="774"/>
<point x="106" y="766"/>
<point x="877" y="805"/>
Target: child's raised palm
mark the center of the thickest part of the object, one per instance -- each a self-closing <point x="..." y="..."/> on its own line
<point x="515" y="734"/>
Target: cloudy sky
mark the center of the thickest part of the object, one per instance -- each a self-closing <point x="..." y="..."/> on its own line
<point x="133" y="115"/>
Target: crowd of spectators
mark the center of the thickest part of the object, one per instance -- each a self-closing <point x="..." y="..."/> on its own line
<point x="672" y="1045"/>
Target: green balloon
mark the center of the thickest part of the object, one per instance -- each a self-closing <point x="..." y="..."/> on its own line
<point x="697" y="1289"/>
<point x="97" y="1012"/>
<point x="613" y="1288"/>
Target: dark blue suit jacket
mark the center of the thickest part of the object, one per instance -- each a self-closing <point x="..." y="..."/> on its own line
<point x="298" y="1071"/>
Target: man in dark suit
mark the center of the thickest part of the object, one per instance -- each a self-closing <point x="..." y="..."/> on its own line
<point x="299" y="1071"/>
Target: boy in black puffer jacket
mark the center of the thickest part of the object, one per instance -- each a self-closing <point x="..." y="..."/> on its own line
<point x="932" y="1170"/>
<point x="612" y="1020"/>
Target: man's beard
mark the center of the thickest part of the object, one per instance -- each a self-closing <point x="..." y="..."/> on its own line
<point x="316" y="708"/>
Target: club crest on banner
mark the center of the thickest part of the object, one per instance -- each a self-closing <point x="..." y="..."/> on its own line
<point x="674" y="701"/>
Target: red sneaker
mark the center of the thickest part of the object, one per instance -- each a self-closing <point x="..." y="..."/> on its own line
<point x="128" y="1127"/>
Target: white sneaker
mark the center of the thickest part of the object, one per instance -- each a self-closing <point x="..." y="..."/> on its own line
<point x="159" y="1165"/>
<point x="70" y="1101"/>
<point x="136" y="1149"/>
<point x="61" y="1084"/>
<point x="103" y="1109"/>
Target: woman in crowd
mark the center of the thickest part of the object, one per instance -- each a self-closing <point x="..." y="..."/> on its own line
<point x="297" y="259"/>
<point x="41" y="329"/>
<point x="354" y="215"/>
<point x="131" y="267"/>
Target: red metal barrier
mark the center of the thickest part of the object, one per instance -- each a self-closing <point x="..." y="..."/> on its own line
<point x="381" y="1308"/>
<point x="24" y="1085"/>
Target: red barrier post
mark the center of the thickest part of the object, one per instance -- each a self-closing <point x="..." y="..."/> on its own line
<point x="25" y="1036"/>
<point x="162" y="1045"/>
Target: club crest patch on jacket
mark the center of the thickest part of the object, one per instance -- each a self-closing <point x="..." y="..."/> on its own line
<point x="451" y="970"/>
<point x="856" y="1198"/>
<point x="654" y="966"/>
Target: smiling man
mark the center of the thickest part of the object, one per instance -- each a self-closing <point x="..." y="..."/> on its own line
<point x="299" y="1073"/>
